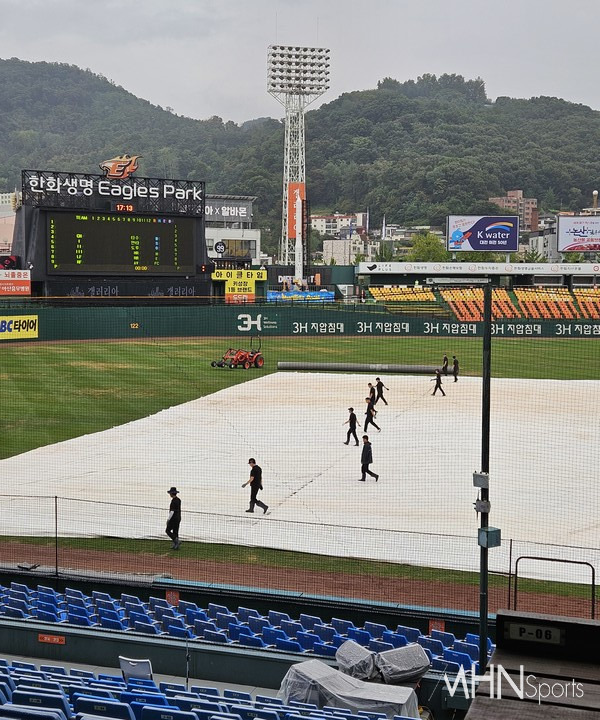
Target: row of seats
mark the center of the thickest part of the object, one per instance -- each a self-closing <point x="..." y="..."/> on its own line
<point x="549" y="304"/>
<point x="403" y="294"/>
<point x="588" y="300"/>
<point x="218" y="624"/>
<point x="53" y="693"/>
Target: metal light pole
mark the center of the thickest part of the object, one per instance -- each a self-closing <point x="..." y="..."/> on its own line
<point x="296" y="77"/>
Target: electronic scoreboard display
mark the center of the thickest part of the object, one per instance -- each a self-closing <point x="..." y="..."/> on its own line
<point x="119" y="243"/>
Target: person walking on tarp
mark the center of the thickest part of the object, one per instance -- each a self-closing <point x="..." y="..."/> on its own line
<point x="380" y="388"/>
<point x="445" y="364"/>
<point x="370" y="415"/>
<point x="366" y="458"/>
<point x="174" y="519"/>
<point x="438" y="383"/>
<point x="455" y="368"/>
<point x="255" y="482"/>
<point x="351" y="422"/>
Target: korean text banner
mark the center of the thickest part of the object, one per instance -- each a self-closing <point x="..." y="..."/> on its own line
<point x="483" y="233"/>
<point x="18" y="327"/>
<point x="578" y="233"/>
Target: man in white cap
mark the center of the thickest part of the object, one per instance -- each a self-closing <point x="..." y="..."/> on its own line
<point x="174" y="518"/>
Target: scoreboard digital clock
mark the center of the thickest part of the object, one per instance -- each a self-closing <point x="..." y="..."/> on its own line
<point x="119" y="243"/>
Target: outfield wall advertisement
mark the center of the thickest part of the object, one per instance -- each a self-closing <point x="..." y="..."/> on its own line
<point x="143" y="323"/>
<point x="483" y="233"/>
<point x="578" y="233"/>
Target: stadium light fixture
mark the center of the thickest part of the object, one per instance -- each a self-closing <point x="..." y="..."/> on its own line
<point x="296" y="77"/>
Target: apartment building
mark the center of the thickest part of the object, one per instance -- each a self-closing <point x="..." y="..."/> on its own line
<point x="515" y="204"/>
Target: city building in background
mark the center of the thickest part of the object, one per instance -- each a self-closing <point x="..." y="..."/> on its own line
<point x="229" y="232"/>
<point x="525" y="208"/>
<point x="336" y="223"/>
<point x="7" y="222"/>
<point x="344" y="251"/>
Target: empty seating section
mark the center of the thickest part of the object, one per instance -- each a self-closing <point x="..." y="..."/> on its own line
<point x="547" y="303"/>
<point x="245" y="627"/>
<point x="467" y="303"/>
<point x="588" y="300"/>
<point x="403" y="294"/>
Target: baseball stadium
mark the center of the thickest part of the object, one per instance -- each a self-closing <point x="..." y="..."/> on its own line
<point x="150" y="370"/>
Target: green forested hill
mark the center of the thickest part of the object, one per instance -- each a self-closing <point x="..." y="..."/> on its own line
<point x="414" y="151"/>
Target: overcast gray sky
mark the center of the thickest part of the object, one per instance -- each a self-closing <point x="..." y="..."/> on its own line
<point x="208" y="57"/>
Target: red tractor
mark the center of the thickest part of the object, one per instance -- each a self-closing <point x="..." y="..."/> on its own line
<point x="238" y="358"/>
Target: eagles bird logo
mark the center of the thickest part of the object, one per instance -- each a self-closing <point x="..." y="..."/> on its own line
<point x="120" y="167"/>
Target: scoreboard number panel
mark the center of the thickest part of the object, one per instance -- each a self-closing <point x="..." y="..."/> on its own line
<point x="119" y="243"/>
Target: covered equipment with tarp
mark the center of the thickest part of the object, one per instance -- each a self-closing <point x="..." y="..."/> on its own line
<point x="316" y="682"/>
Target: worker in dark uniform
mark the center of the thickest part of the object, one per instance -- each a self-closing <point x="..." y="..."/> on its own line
<point x="174" y="519"/>
<point x="366" y="458"/>
<point x="370" y="415"/>
<point x="380" y="388"/>
<point x="373" y="396"/>
<point x="438" y="383"/>
<point x="455" y="368"/>
<point x="255" y="482"/>
<point x="445" y="364"/>
<point x="351" y="422"/>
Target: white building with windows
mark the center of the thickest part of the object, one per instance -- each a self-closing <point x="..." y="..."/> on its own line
<point x="337" y="222"/>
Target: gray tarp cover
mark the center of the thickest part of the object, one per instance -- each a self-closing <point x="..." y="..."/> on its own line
<point x="405" y="664"/>
<point x="355" y="660"/>
<point x="315" y="682"/>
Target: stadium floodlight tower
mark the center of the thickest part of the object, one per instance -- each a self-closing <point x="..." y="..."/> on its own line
<point x="296" y="77"/>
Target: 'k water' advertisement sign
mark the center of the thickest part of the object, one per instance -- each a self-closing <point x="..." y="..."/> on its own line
<point x="476" y="232"/>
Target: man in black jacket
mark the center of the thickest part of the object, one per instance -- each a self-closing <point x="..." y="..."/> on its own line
<point x="366" y="458"/>
<point x="370" y="415"/>
<point x="174" y="519"/>
<point x="351" y="422"/>
<point x="455" y="367"/>
<point x="255" y="482"/>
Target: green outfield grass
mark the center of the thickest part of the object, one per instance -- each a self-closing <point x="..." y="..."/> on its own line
<point x="56" y="391"/>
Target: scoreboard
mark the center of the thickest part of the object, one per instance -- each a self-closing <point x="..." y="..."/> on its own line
<point x="122" y="243"/>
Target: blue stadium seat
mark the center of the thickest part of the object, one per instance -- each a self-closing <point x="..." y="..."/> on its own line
<point x="129" y="696"/>
<point x="289" y="645"/>
<point x="309" y="621"/>
<point x="270" y="634"/>
<point x="154" y="602"/>
<point x="19" y="587"/>
<point x="396" y="640"/>
<point x="244" y="613"/>
<point x="185" y="605"/>
<point x="200" y="627"/>
<point x="246" y="712"/>
<point x="213" y="609"/>
<point x="237" y="694"/>
<point x="446" y="638"/>
<point x="113" y="623"/>
<point x="180" y="632"/>
<point x="58" y="701"/>
<point x="135" y="617"/>
<point x="325" y="632"/>
<point x="105" y="677"/>
<point x="307" y="640"/>
<point x="149" y="628"/>
<point x="16" y="613"/>
<point x="205" y="690"/>
<point x="256" y="624"/>
<point x="218" y="637"/>
<point x="320" y="648"/>
<point x="192" y="615"/>
<point x="223" y="620"/>
<point x="474" y="640"/>
<point x="104" y="708"/>
<point x="275" y="617"/>
<point x="138" y="683"/>
<point x="7" y="691"/>
<point x="234" y="631"/>
<point x="465" y="647"/>
<point x="341" y="626"/>
<point x="153" y="713"/>
<point x="291" y="627"/>
<point x="362" y="637"/>
<point x="411" y="634"/>
<point x="32" y="683"/>
<point x="52" y="617"/>
<point x="251" y="641"/>
<point x="298" y="704"/>
<point x="23" y="665"/>
<point x="83" y="620"/>
<point x="458" y="657"/>
<point x="126" y="598"/>
<point x="76" y="672"/>
<point x="51" y="607"/>
<point x="267" y="699"/>
<point x="338" y="640"/>
<point x="26" y="712"/>
<point x="435" y="646"/>
<point x="372" y="715"/>
<point x="375" y="629"/>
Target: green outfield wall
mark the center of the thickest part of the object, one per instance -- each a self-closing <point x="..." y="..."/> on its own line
<point x="126" y="322"/>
